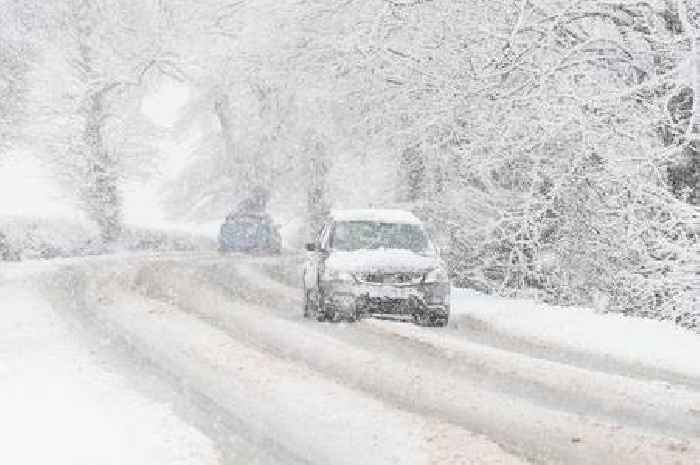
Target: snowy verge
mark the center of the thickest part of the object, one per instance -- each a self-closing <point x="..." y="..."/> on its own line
<point x="653" y="343"/>
<point x="62" y="406"/>
<point x="18" y="271"/>
<point x="26" y="238"/>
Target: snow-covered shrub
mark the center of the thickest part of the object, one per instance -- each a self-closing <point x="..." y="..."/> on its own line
<point x="143" y="239"/>
<point x="578" y="233"/>
<point x="38" y="238"/>
<point x="531" y="142"/>
<point x="31" y="238"/>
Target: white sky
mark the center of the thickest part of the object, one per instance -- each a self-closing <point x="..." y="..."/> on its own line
<point x="141" y="203"/>
<point x="27" y="190"/>
<point x="162" y="105"/>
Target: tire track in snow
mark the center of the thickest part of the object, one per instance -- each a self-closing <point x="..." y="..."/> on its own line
<point x="655" y="405"/>
<point x="541" y="434"/>
<point x="283" y="275"/>
<point x="75" y="293"/>
<point x="304" y="413"/>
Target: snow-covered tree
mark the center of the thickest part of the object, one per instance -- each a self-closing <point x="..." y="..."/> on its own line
<point x="528" y="132"/>
<point x="17" y="22"/>
<point x="263" y="104"/>
<point x="96" y="60"/>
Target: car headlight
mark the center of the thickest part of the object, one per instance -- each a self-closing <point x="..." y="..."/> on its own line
<point x="438" y="275"/>
<point x="337" y="275"/>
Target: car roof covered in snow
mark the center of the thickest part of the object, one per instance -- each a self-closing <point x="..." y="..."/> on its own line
<point x="376" y="215"/>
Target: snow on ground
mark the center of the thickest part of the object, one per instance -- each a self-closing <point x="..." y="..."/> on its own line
<point x="398" y="375"/>
<point x="658" y="344"/>
<point x="11" y="272"/>
<point x="46" y="378"/>
<point x="310" y="416"/>
<point x="645" y="342"/>
<point x="650" y="403"/>
<point x="59" y="405"/>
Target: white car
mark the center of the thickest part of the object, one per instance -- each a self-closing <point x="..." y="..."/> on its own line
<point x="375" y="262"/>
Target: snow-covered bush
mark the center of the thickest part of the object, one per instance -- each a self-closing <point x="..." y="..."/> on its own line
<point x="589" y="238"/>
<point x="531" y="141"/>
<point x="24" y="238"/>
<point x="32" y="238"/>
<point x="143" y="239"/>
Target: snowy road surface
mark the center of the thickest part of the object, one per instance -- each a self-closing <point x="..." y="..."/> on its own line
<point x="200" y="359"/>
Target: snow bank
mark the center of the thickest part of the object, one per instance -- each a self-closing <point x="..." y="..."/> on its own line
<point x="168" y="239"/>
<point x="25" y="238"/>
<point x="658" y="344"/>
<point x="61" y="406"/>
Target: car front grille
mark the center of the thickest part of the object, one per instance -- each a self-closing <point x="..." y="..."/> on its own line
<point x="379" y="305"/>
<point x="391" y="278"/>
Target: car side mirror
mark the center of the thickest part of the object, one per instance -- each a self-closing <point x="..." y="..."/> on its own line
<point x="310" y="246"/>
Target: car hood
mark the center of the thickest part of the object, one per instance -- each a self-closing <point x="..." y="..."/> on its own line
<point x="381" y="260"/>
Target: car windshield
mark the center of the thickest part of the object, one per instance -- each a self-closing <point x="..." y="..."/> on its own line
<point x="249" y="217"/>
<point x="356" y="235"/>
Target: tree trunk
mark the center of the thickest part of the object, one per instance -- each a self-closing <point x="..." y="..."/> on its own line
<point x="317" y="187"/>
<point x="100" y="194"/>
<point x="223" y="113"/>
<point x="234" y="167"/>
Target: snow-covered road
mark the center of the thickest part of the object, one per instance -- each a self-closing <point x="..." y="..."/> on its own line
<point x="239" y="366"/>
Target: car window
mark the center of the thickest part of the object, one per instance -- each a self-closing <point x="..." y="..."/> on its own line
<point x="319" y="235"/>
<point x="325" y="232"/>
<point x="356" y="235"/>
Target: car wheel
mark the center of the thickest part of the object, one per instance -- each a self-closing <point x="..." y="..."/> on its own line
<point x="330" y="315"/>
<point x="312" y="307"/>
<point x="321" y="314"/>
<point x="307" y="304"/>
<point x="355" y="315"/>
<point x="421" y="319"/>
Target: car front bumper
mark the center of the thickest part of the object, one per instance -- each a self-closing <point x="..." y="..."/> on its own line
<point x="431" y="300"/>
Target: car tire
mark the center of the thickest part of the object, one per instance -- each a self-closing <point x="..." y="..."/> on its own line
<point x="421" y="319"/>
<point x="328" y="315"/>
<point x="321" y="315"/>
<point x="307" y="304"/>
<point x="312" y="308"/>
<point x="355" y="316"/>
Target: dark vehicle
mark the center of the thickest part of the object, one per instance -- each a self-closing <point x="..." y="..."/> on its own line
<point x="249" y="232"/>
<point x="375" y="262"/>
<point x="250" y="228"/>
